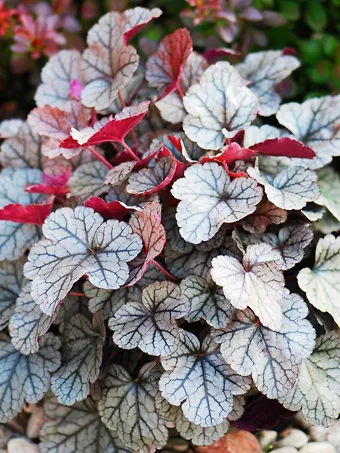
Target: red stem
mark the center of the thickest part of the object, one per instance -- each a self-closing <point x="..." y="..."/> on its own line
<point x="75" y="294"/>
<point x="164" y="271"/>
<point x="179" y="90"/>
<point x="100" y="157"/>
<point x="129" y="150"/>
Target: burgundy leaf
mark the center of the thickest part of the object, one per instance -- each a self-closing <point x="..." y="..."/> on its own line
<point x="213" y="55"/>
<point x="112" y="210"/>
<point x="284" y="146"/>
<point x="33" y="213"/>
<point x="52" y="184"/>
<point x="165" y="68"/>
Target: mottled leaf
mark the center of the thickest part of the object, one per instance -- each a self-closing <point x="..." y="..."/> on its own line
<point x="315" y="122"/>
<point x="11" y="281"/>
<point x="288" y="187"/>
<point x="256" y="282"/>
<point x="209" y="198"/>
<point x="322" y="283"/>
<point x="316" y="393"/>
<point x="264" y="71"/>
<point x="79" y="242"/>
<point x="266" y="213"/>
<point x="271" y="357"/>
<point x="88" y="180"/>
<point x="56" y="77"/>
<point x="77" y="428"/>
<point x="28" y="323"/>
<point x="198" y="376"/>
<point x="150" y="323"/>
<point x="206" y="302"/>
<point x="219" y="106"/>
<point x="25" y="378"/>
<point x="127" y="405"/>
<point x="80" y="360"/>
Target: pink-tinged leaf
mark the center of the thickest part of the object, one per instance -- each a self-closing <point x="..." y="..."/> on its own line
<point x="112" y="210"/>
<point x="108" y="129"/>
<point x="137" y="18"/>
<point x="165" y="68"/>
<point x="150" y="180"/>
<point x="230" y="154"/>
<point x="266" y="213"/>
<point x="52" y="185"/>
<point x="34" y="214"/>
<point x="284" y="146"/>
<point x="212" y="55"/>
<point x="76" y="88"/>
<point x="147" y="224"/>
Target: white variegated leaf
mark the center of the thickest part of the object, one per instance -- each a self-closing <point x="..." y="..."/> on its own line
<point x="290" y="242"/>
<point x="28" y="323"/>
<point x="88" y="180"/>
<point x="256" y="282"/>
<point x="80" y="360"/>
<point x="56" y="77"/>
<point x="25" y="378"/>
<point x="265" y="70"/>
<point x="109" y="301"/>
<point x="209" y="198"/>
<point x="10" y="128"/>
<point x="127" y="406"/>
<point x="219" y="106"/>
<point x="289" y="188"/>
<point x="16" y="238"/>
<point x="22" y="150"/>
<point x="271" y="357"/>
<point x="316" y="123"/>
<point x="11" y="281"/>
<point x="79" y="242"/>
<point x="329" y="183"/>
<point x="316" y="393"/>
<point x="255" y="134"/>
<point x="198" y="377"/>
<point x="206" y="301"/>
<point x="322" y="283"/>
<point x="150" y="323"/>
<point x="77" y="429"/>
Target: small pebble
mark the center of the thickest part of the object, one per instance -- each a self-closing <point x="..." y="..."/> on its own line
<point x="318" y="447"/>
<point x="21" y="445"/>
<point x="267" y="437"/>
<point x="294" y="438"/>
<point x="285" y="450"/>
<point x="5" y="435"/>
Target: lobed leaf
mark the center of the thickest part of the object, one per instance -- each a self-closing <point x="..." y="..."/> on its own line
<point x="88" y="180"/>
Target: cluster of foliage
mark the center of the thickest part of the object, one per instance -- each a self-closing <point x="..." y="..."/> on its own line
<point x="165" y="253"/>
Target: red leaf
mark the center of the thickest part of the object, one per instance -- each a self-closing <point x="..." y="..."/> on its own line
<point x="212" y="55"/>
<point x="108" y="130"/>
<point x="139" y="19"/>
<point x="52" y="185"/>
<point x="230" y="154"/>
<point x="165" y="68"/>
<point x="33" y="213"/>
<point x="112" y="210"/>
<point x="283" y="147"/>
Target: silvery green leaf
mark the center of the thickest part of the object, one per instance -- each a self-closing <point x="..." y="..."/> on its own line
<point x="207" y="301"/>
<point x="290" y="242"/>
<point x="22" y="150"/>
<point x="11" y="281"/>
<point x="173" y="236"/>
<point x="28" y="323"/>
<point x="119" y="193"/>
<point x="265" y="70"/>
<point x="79" y="242"/>
<point x="258" y="134"/>
<point x="322" y="283"/>
<point x="198" y="377"/>
<point x="127" y="406"/>
<point x="77" y="429"/>
<point x="327" y="223"/>
<point x="88" y="180"/>
<point x="329" y="184"/>
<point x="256" y="282"/>
<point x="315" y="122"/>
<point x="109" y="301"/>
<point x="271" y="357"/>
<point x="209" y="198"/>
<point x="150" y="323"/>
<point x="290" y="188"/>
<point x="10" y="128"/>
<point x="219" y="106"/>
<point x="71" y="306"/>
<point x="80" y="360"/>
<point x="56" y="77"/>
<point x="316" y="393"/>
<point x="25" y="377"/>
<point x="16" y="238"/>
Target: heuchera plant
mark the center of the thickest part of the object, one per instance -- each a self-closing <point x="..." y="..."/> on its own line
<point x="165" y="253"/>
